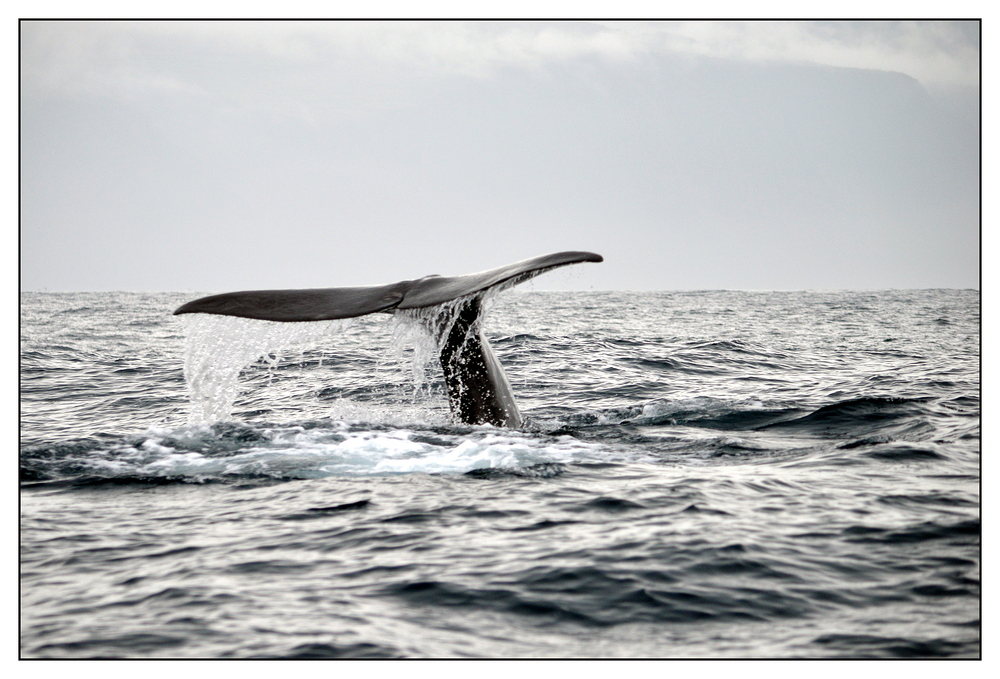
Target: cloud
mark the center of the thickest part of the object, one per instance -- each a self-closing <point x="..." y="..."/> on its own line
<point x="127" y="58"/>
<point x="935" y="53"/>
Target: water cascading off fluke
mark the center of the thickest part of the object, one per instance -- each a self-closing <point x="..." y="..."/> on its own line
<point x="478" y="390"/>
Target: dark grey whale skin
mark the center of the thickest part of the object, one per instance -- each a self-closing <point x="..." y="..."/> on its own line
<point x="478" y="392"/>
<point x="323" y="304"/>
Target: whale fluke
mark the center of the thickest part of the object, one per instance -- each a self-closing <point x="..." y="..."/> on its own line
<point x="478" y="391"/>
<point x="318" y="304"/>
<point x="324" y="304"/>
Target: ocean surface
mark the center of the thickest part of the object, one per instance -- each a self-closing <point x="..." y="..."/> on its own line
<point x="700" y="475"/>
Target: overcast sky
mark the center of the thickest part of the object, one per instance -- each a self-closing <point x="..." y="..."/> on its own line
<point x="212" y="156"/>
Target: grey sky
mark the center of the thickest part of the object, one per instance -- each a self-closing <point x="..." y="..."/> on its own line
<point x="219" y="156"/>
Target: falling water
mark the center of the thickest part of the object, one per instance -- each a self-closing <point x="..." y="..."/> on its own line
<point x="218" y="348"/>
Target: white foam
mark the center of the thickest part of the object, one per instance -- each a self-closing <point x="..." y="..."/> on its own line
<point x="298" y="452"/>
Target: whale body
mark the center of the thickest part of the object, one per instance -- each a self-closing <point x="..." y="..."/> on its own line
<point x="478" y="390"/>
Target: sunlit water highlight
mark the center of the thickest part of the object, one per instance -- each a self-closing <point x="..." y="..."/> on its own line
<point x="701" y="474"/>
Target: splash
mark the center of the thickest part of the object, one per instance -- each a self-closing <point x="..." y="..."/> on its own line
<point x="217" y="348"/>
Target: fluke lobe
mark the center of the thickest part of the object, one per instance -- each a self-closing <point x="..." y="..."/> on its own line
<point x="478" y="390"/>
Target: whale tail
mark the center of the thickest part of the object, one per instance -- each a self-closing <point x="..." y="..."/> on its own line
<point x="478" y="390"/>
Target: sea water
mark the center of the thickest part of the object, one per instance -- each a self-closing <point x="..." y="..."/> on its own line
<point x="699" y="475"/>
